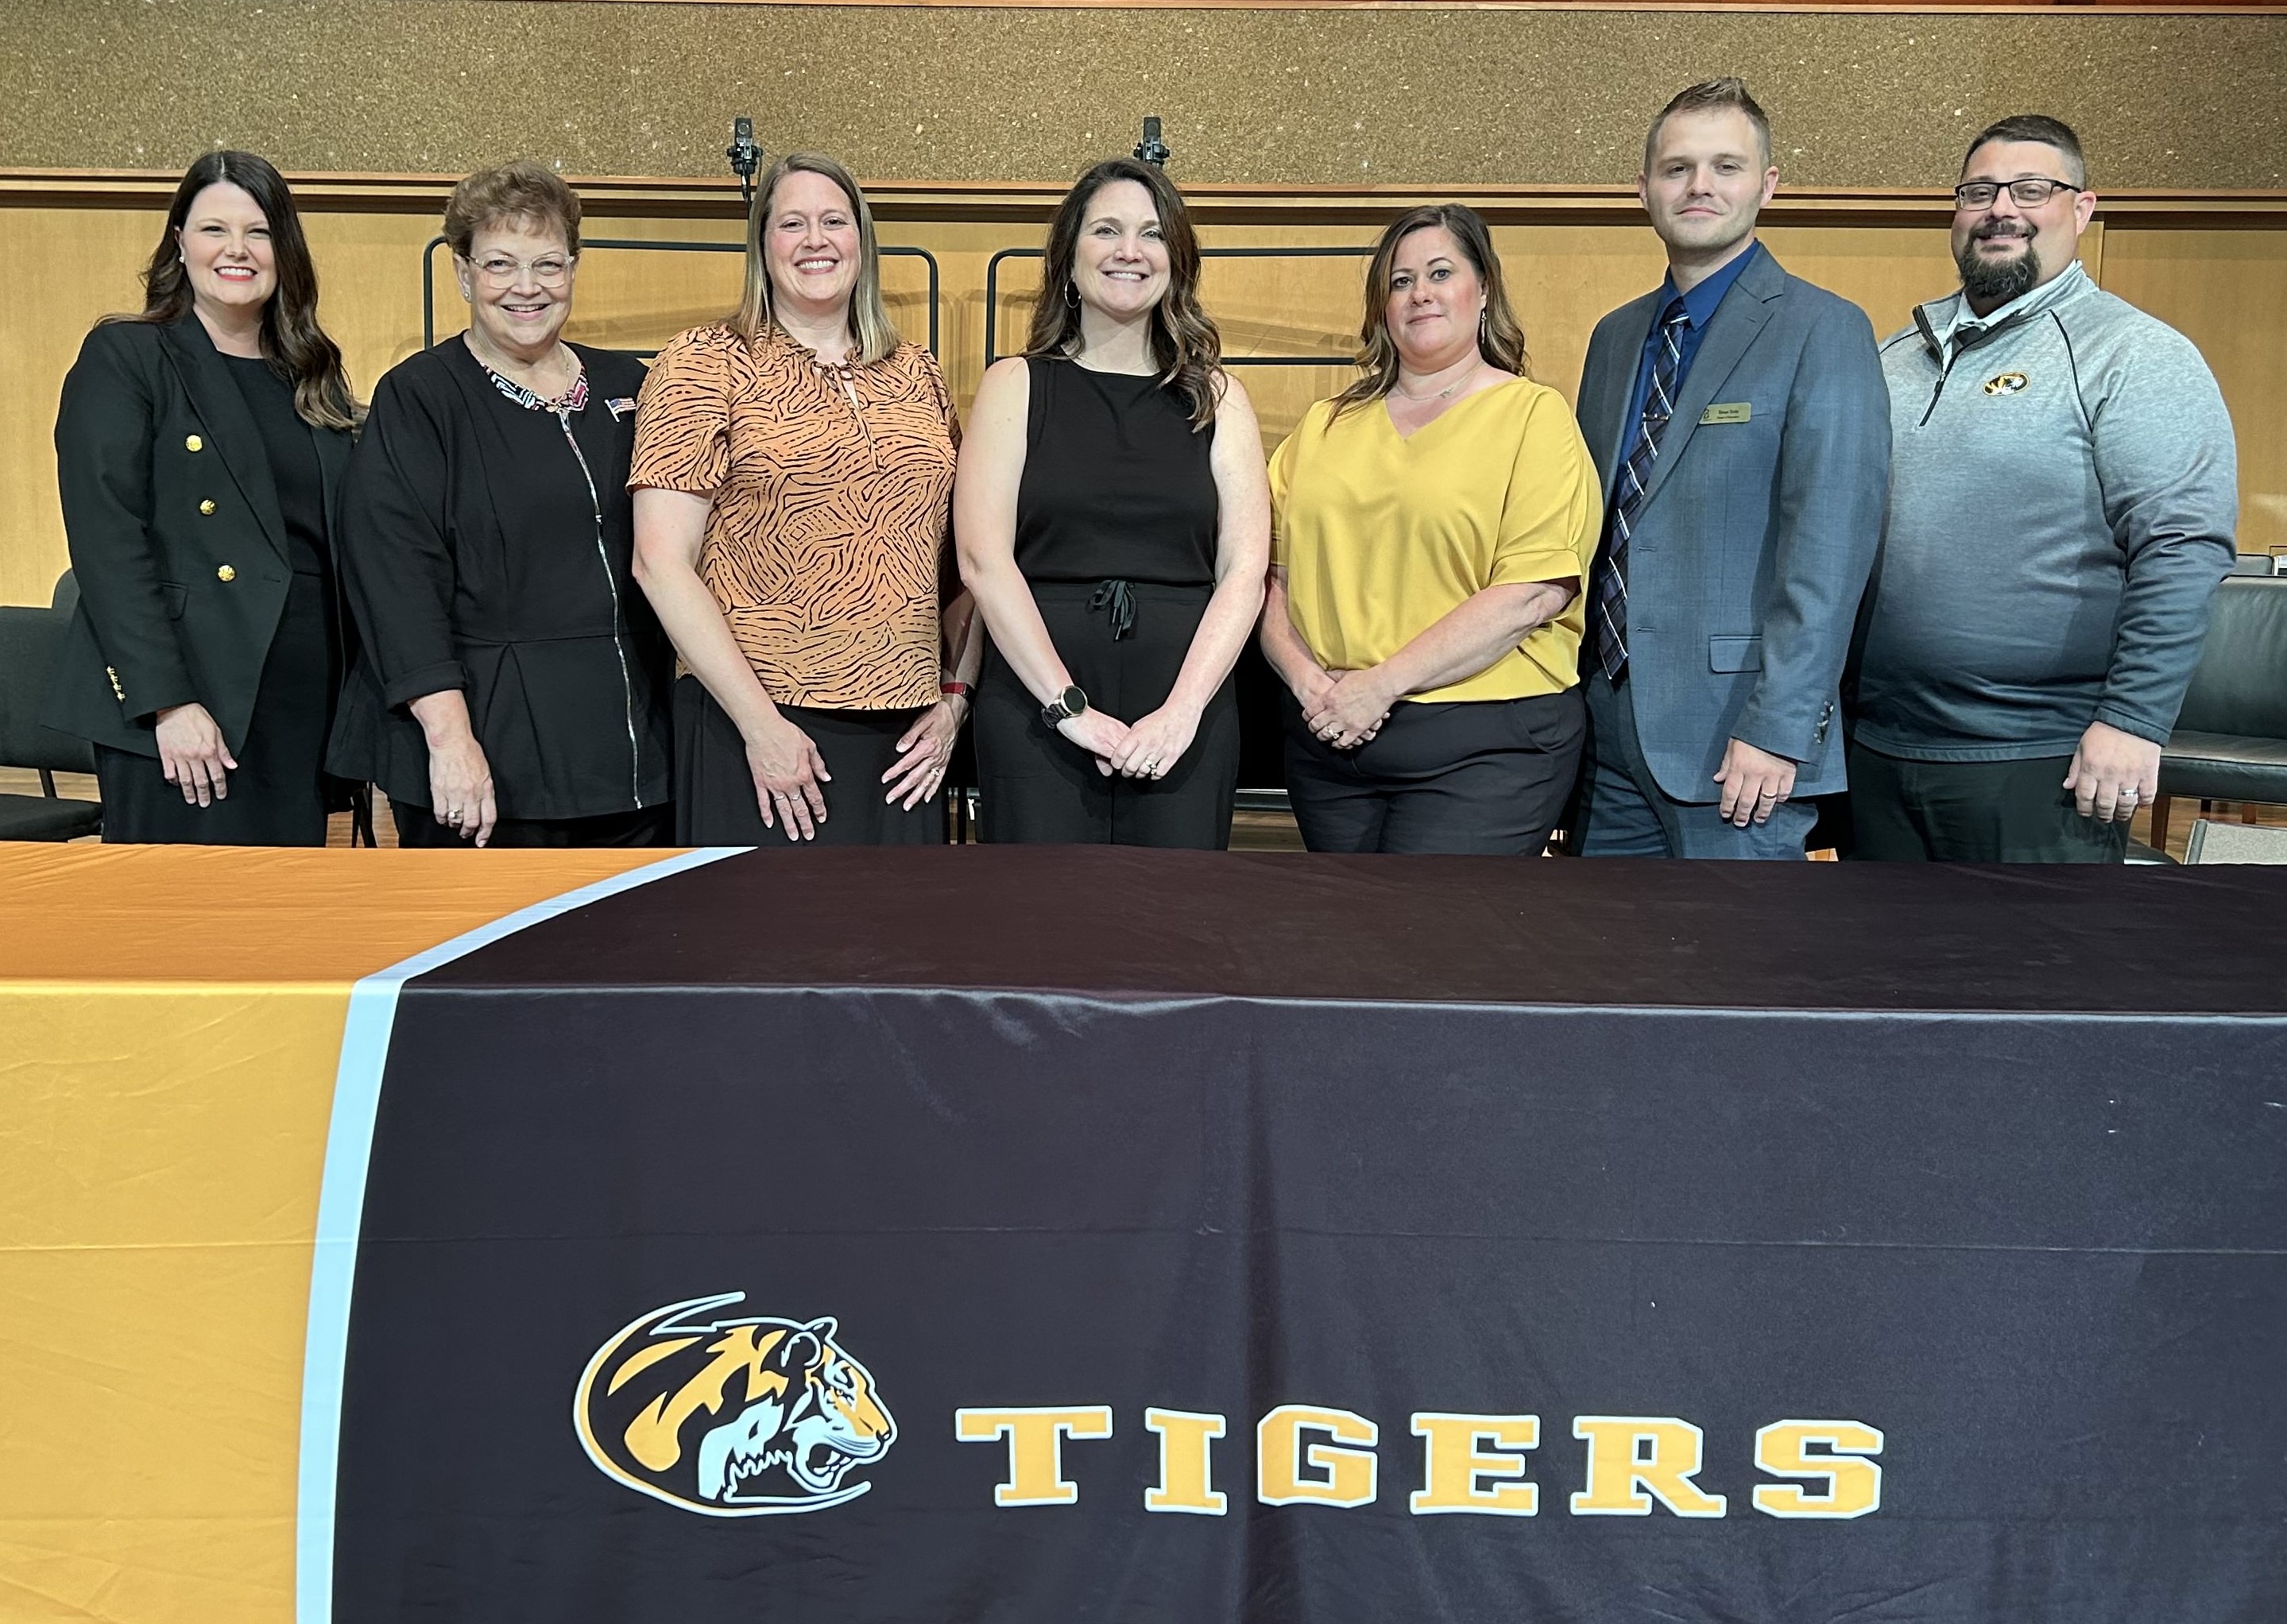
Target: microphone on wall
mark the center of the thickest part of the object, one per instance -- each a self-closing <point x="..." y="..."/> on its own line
<point x="1151" y="149"/>
<point x="746" y="157"/>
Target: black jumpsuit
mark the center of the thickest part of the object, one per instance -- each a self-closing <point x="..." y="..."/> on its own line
<point x="1116" y="518"/>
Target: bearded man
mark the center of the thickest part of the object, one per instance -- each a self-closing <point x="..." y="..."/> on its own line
<point x="2065" y="492"/>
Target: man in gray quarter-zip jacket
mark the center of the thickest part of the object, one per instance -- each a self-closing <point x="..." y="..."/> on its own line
<point x="2063" y="494"/>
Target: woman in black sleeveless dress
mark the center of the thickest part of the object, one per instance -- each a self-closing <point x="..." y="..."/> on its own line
<point x="1112" y="518"/>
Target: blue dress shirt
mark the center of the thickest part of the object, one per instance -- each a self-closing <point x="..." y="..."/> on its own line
<point x="1698" y="309"/>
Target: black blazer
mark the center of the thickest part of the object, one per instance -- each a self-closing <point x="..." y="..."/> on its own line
<point x="176" y="541"/>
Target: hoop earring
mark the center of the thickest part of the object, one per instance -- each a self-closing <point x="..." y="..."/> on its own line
<point x="1072" y="296"/>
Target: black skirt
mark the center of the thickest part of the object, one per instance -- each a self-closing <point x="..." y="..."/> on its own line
<point x="1036" y="785"/>
<point x="277" y="797"/>
<point x="715" y="798"/>
<point x="417" y="828"/>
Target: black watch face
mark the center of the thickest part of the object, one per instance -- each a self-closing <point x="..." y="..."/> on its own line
<point x="1072" y="701"/>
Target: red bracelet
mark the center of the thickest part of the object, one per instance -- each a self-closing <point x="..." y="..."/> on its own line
<point x="961" y="689"/>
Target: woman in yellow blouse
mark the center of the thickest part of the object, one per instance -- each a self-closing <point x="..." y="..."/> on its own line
<point x="1432" y="526"/>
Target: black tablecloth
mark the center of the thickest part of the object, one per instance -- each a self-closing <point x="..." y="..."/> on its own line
<point x="883" y="1236"/>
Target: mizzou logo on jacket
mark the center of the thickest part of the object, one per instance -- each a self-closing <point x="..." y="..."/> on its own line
<point x="739" y="1416"/>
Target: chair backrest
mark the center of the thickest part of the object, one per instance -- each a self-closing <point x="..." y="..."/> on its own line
<point x="2241" y="686"/>
<point x="2214" y="842"/>
<point x="29" y="641"/>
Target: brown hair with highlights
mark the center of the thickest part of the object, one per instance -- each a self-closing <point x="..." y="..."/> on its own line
<point x="522" y="193"/>
<point x="1185" y="344"/>
<point x="1500" y="338"/>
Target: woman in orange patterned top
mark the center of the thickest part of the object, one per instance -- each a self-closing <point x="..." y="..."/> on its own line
<point x="792" y="480"/>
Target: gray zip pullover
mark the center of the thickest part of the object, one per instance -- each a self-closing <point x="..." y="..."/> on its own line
<point x="2064" y="489"/>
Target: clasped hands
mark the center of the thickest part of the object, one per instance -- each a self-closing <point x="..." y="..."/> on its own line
<point x="1145" y="748"/>
<point x="1346" y="708"/>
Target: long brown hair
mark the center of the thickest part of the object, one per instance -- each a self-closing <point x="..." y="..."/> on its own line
<point x="1185" y="345"/>
<point x="1501" y="339"/>
<point x="292" y="342"/>
<point x="870" y="327"/>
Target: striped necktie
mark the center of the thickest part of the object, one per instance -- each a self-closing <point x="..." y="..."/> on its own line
<point x="1611" y="591"/>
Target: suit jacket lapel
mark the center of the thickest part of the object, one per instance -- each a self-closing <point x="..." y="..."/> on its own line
<point x="1737" y="320"/>
<point x="215" y="398"/>
<point x="1609" y="434"/>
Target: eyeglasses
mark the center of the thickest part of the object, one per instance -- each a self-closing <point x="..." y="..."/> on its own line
<point x="499" y="270"/>
<point x="2029" y="193"/>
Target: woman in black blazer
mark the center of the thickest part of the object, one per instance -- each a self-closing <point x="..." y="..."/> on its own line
<point x="200" y="450"/>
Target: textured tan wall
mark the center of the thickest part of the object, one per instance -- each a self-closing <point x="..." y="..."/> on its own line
<point x="1427" y="96"/>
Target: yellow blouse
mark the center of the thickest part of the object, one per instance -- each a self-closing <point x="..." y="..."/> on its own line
<point x="1382" y="537"/>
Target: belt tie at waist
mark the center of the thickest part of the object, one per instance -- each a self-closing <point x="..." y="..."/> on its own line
<point x="1117" y="598"/>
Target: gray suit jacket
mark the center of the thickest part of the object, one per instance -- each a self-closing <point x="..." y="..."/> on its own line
<point x="1752" y="549"/>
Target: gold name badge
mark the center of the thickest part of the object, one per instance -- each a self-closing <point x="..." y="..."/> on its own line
<point x="1731" y="412"/>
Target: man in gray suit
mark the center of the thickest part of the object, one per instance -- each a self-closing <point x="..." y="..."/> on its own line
<point x="1739" y="420"/>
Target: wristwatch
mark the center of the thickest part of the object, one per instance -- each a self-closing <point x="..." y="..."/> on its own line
<point x="1067" y="704"/>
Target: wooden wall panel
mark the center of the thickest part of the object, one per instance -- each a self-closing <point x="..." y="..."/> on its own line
<point x="2226" y="288"/>
<point x="2226" y="291"/>
<point x="67" y="267"/>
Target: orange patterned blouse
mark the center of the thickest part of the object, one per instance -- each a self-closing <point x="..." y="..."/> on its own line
<point x="827" y="544"/>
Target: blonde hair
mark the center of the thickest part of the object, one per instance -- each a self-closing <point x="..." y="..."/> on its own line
<point x="870" y="327"/>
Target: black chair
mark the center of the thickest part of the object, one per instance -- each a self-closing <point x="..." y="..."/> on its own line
<point x="2230" y="742"/>
<point x="29" y="641"/>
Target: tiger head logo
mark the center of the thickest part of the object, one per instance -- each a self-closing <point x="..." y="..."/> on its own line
<point x="739" y="1416"/>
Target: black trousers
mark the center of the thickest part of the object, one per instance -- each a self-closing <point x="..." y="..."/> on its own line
<point x="417" y="828"/>
<point x="1035" y="785"/>
<point x="277" y="796"/>
<point x="715" y="798"/>
<point x="1486" y="777"/>
<point x="1904" y="811"/>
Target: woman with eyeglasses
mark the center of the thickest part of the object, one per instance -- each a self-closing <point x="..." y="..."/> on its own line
<point x="200" y="449"/>
<point x="513" y="691"/>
